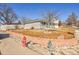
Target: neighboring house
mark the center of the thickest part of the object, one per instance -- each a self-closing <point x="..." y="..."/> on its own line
<point x="41" y="24"/>
<point x="7" y="27"/>
<point x="11" y="26"/>
<point x="32" y="24"/>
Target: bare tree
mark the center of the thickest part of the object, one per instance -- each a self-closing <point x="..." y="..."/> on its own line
<point x="7" y="15"/>
<point x="25" y="20"/>
<point x="50" y="16"/>
<point x="72" y="19"/>
<point x="60" y="23"/>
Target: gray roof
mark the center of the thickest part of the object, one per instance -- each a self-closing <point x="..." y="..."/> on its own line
<point x="33" y="21"/>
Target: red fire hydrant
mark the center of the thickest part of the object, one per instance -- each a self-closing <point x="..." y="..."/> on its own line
<point x="23" y="41"/>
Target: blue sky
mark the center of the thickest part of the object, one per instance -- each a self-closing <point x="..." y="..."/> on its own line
<point x="35" y="10"/>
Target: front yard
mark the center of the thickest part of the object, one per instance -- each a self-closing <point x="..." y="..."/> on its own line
<point x="51" y="34"/>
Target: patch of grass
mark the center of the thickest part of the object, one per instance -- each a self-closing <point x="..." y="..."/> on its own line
<point x="51" y="34"/>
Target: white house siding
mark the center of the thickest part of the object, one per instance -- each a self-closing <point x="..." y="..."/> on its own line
<point x="56" y="22"/>
<point x="56" y="26"/>
<point x="20" y="26"/>
<point x="6" y="27"/>
<point x="77" y="34"/>
<point x="36" y="25"/>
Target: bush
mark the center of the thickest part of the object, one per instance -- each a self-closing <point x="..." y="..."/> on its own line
<point x="32" y="27"/>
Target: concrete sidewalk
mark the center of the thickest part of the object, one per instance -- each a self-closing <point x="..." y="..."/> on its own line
<point x="11" y="46"/>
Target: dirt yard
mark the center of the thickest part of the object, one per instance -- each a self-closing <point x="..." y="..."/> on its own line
<point x="51" y="34"/>
<point x="12" y="46"/>
<point x="60" y="37"/>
